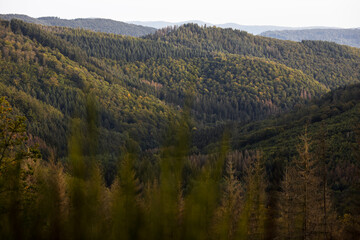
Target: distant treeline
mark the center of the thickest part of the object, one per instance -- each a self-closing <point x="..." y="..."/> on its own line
<point x="94" y="24"/>
<point x="350" y="37"/>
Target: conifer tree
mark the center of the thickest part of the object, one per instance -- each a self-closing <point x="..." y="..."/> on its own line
<point x="87" y="193"/>
<point x="305" y="207"/>
<point x="252" y="219"/>
<point x="49" y="210"/>
<point x="289" y="224"/>
<point x="328" y="221"/>
<point x="227" y="214"/>
<point x="202" y="200"/>
<point x="16" y="161"/>
<point x="125" y="206"/>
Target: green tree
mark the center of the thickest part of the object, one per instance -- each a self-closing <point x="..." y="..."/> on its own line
<point x="228" y="213"/>
<point x="253" y="216"/>
<point x="16" y="161"/>
<point x="305" y="205"/>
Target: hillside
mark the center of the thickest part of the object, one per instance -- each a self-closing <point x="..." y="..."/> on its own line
<point x="337" y="112"/>
<point x="350" y="37"/>
<point x="329" y="63"/>
<point x="94" y="24"/>
<point x="335" y="119"/>
<point x="228" y="88"/>
<point x="49" y="88"/>
<point x="224" y="86"/>
<point x="216" y="81"/>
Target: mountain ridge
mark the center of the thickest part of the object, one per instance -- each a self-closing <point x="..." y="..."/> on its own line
<point x="94" y="24"/>
<point x="142" y="28"/>
<point x="253" y="29"/>
<point x="350" y="37"/>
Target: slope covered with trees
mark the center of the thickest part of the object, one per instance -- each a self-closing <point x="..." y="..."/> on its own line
<point x="224" y="87"/>
<point x="332" y="123"/>
<point x="41" y="79"/>
<point x="132" y="77"/>
<point x="328" y="63"/>
<point x="227" y="88"/>
<point x="225" y="195"/>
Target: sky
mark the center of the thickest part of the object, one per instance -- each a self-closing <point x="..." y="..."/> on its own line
<point x="292" y="13"/>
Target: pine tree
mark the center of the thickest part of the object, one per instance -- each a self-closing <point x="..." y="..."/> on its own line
<point x="87" y="192"/>
<point x="49" y="209"/>
<point x="252" y="219"/>
<point x="227" y="214"/>
<point x="350" y="222"/>
<point x="125" y="206"/>
<point x="288" y="223"/>
<point x="16" y="161"/>
<point x="305" y="206"/>
<point x="328" y="221"/>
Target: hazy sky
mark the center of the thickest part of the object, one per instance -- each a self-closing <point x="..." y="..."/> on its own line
<point x="297" y="13"/>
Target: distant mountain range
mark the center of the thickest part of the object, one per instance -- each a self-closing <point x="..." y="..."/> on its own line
<point x="162" y="24"/>
<point x="350" y="37"/>
<point x="254" y="29"/>
<point x="95" y="24"/>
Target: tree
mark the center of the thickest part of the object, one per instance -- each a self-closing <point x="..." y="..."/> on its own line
<point x="227" y="214"/>
<point x="305" y="206"/>
<point x="15" y="167"/>
<point x="252" y="219"/>
<point x="328" y="214"/>
<point x="125" y="207"/>
<point x="288" y="223"/>
<point x="12" y="136"/>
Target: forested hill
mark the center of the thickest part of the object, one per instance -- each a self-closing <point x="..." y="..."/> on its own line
<point x="329" y="63"/>
<point x="350" y="37"/>
<point x="232" y="75"/>
<point x="22" y="17"/>
<point x="337" y="113"/>
<point x="94" y="24"/>
<point x="39" y="64"/>
<point x="333" y="121"/>
<point x="49" y="86"/>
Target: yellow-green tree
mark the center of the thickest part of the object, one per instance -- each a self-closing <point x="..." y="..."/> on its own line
<point x="16" y="161"/>
<point x="227" y="214"/>
<point x="252" y="219"/>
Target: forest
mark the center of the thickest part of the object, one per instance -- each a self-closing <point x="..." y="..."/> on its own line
<point x="187" y="133"/>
